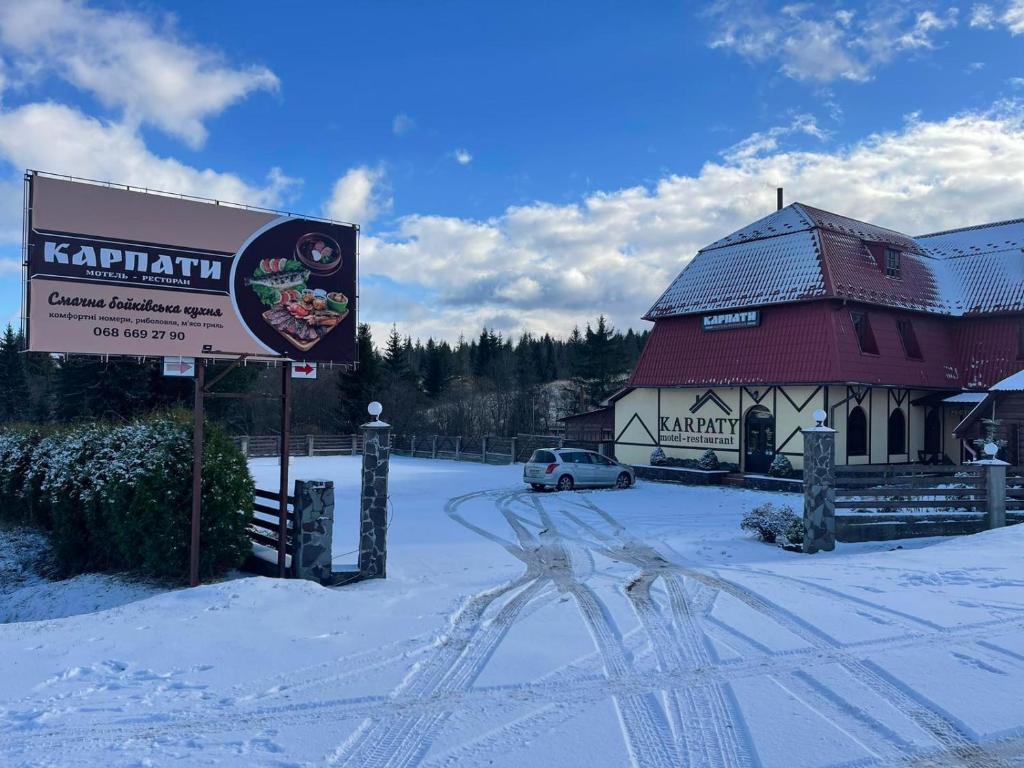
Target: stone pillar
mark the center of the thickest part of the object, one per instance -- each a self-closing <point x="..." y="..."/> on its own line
<point x="819" y="489"/>
<point x="994" y="471"/>
<point x="314" y="534"/>
<point x="373" y="510"/>
<point x="309" y="445"/>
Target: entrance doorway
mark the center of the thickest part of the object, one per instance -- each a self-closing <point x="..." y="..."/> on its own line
<point x="759" y="440"/>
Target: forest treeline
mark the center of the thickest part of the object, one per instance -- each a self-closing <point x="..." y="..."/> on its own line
<point x="491" y="384"/>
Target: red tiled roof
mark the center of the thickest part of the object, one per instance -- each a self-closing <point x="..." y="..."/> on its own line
<point x="801" y="253"/>
<point x="793" y="344"/>
<point x="986" y="348"/>
<point x="814" y="343"/>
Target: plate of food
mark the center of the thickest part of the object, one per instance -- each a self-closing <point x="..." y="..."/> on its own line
<point x="319" y="252"/>
<point x="304" y="317"/>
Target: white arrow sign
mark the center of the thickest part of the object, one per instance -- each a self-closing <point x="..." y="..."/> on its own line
<point x="179" y="366"/>
<point x="303" y="370"/>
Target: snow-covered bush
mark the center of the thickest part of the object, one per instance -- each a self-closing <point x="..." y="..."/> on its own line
<point x="781" y="466"/>
<point x="658" y="457"/>
<point x="119" y="497"/>
<point x="795" y="531"/>
<point x="708" y="460"/>
<point x="771" y="523"/>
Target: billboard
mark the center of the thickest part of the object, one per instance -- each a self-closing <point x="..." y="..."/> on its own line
<point x="113" y="271"/>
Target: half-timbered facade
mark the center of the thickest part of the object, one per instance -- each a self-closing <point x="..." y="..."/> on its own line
<point x="891" y="335"/>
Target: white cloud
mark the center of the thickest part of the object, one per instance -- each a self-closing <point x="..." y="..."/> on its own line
<point x="127" y="63"/>
<point x="54" y="137"/>
<point x="982" y="16"/>
<point x="359" y="196"/>
<point x="810" y="42"/>
<point x="402" y="124"/>
<point x="766" y="141"/>
<point x="462" y="156"/>
<point x="1009" y="14"/>
<point x="1013" y="17"/>
<point x="546" y="267"/>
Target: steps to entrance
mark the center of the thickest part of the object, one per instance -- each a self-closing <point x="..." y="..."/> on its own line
<point x="734" y="479"/>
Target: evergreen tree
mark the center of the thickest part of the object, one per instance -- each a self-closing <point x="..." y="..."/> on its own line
<point x="603" y="364"/>
<point x="395" y="366"/>
<point x="436" y="368"/>
<point x="358" y="388"/>
<point x="15" y="404"/>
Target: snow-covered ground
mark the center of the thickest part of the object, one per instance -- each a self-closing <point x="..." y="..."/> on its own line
<point x="601" y="628"/>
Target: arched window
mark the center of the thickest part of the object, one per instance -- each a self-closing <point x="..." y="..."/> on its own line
<point x="897" y="432"/>
<point x="857" y="433"/>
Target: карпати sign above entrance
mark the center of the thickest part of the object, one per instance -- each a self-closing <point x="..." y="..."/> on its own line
<point x="748" y="318"/>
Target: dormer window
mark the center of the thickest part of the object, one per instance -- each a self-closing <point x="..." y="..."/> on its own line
<point x="892" y="262"/>
<point x="862" y="330"/>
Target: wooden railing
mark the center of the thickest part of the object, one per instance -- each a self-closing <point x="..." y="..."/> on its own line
<point x="911" y="487"/>
<point x="266" y="526"/>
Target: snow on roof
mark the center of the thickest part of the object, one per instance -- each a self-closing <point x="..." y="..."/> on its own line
<point x="966" y="397"/>
<point x="801" y="252"/>
<point x="1014" y="383"/>
<point x="772" y="270"/>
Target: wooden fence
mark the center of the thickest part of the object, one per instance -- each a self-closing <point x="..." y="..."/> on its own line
<point x="910" y="487"/>
<point x="265" y="529"/>
<point x="490" y="449"/>
<point x="884" y="502"/>
<point x="257" y="446"/>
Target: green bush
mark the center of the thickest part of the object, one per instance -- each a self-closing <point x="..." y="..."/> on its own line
<point x="781" y="466"/>
<point x="119" y="497"/>
<point x="708" y="460"/>
<point x="772" y="524"/>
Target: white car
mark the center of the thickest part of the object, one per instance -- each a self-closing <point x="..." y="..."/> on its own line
<point x="568" y="468"/>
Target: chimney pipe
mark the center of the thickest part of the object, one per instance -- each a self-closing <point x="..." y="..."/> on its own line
<point x="778" y="193"/>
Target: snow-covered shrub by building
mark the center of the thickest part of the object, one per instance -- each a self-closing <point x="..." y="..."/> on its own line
<point x="781" y="466"/>
<point x="708" y="461"/>
<point x="119" y="497"/>
<point x="772" y="523"/>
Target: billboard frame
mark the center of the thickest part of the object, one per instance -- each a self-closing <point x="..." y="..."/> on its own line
<point x="202" y="387"/>
<point x="211" y="354"/>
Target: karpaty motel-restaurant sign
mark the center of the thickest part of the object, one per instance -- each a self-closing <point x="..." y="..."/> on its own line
<point x="117" y="271"/>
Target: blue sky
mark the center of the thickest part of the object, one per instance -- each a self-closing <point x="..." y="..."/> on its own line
<point x="522" y="165"/>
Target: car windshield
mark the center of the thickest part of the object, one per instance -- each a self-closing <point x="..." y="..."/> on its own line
<point x="543" y="457"/>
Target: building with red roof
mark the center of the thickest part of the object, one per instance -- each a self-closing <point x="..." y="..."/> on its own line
<point x="894" y="337"/>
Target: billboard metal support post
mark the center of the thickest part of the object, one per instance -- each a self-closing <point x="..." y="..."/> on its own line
<point x="282" y="531"/>
<point x="197" y="473"/>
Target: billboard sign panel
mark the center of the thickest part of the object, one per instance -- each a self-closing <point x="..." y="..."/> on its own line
<point x="119" y="272"/>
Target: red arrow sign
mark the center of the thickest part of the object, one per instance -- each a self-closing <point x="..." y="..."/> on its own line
<point x="180" y="367"/>
<point x="304" y="368"/>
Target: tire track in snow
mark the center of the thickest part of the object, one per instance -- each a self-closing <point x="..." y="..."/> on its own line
<point x="643" y="724"/>
<point x="710" y="738"/>
<point x="912" y="705"/>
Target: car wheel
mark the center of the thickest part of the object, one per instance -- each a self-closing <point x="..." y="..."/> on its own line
<point x="565" y="483"/>
<point x="537" y="486"/>
<point x="623" y="480"/>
